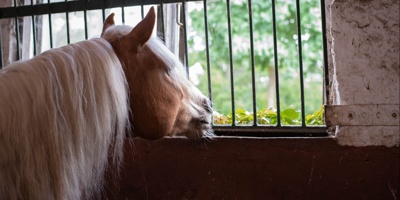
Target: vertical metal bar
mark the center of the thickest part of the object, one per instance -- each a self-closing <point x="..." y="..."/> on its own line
<point x="142" y="10"/>
<point x="123" y="12"/>
<point x="33" y="32"/>
<point x="325" y="51"/>
<point x="228" y="8"/>
<point x="67" y="25"/>
<point x="50" y="29"/>
<point x="181" y="38"/>
<point x="185" y="36"/>
<point x="162" y="20"/>
<point x="253" y="82"/>
<point x="103" y="10"/>
<point x="300" y="62"/>
<point x="278" y="103"/>
<point x="85" y="24"/>
<point x="17" y="33"/>
<point x="1" y="49"/>
<point x="207" y="50"/>
<point x="85" y="20"/>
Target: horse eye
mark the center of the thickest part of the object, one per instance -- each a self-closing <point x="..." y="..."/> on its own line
<point x="169" y="71"/>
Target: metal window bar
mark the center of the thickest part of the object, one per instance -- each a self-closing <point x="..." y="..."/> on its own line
<point x="300" y="49"/>
<point x="1" y="49"/>
<point x="85" y="23"/>
<point x="142" y="10"/>
<point x="161" y="18"/>
<point x="103" y="10"/>
<point x="207" y="50"/>
<point x="67" y="25"/>
<point x="325" y="52"/>
<point x="51" y="28"/>
<point x="183" y="17"/>
<point x="253" y="81"/>
<point x="251" y="130"/>
<point x="228" y="9"/>
<point x="123" y="13"/>
<point x="276" y="63"/>
<point x="33" y="31"/>
<point x="17" y="33"/>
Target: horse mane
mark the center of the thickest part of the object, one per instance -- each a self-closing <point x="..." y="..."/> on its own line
<point x="162" y="52"/>
<point x="59" y="113"/>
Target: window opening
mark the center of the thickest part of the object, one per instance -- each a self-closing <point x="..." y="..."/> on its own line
<point x="262" y="63"/>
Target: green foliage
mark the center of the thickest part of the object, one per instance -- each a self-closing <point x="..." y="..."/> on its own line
<point x="264" y="65"/>
<point x="317" y="118"/>
<point x="289" y="116"/>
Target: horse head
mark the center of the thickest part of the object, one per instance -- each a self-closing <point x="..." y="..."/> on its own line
<point x="163" y="101"/>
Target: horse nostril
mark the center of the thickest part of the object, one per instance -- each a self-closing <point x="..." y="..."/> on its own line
<point x="204" y="121"/>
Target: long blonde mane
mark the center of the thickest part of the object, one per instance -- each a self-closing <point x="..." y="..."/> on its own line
<point x="59" y="113"/>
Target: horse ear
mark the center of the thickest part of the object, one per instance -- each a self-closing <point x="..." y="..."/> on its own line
<point x="108" y="22"/>
<point x="143" y="30"/>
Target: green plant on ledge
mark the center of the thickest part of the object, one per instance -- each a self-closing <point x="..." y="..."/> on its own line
<point x="289" y="116"/>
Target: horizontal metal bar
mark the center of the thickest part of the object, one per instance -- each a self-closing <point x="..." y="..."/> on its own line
<point x="271" y="131"/>
<point x="73" y="6"/>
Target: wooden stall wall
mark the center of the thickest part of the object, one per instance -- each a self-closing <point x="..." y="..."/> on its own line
<point x="250" y="168"/>
<point x="359" y="161"/>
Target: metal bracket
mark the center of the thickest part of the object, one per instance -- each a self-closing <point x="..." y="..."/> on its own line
<point x="362" y="115"/>
<point x="177" y="17"/>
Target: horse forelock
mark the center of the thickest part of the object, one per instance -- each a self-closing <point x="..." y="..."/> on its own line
<point x="171" y="62"/>
<point x="60" y="111"/>
<point x="116" y="31"/>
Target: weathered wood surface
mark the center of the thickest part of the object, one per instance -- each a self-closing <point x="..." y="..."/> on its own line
<point x="245" y="168"/>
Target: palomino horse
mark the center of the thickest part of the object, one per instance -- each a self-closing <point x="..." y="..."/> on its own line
<point x="64" y="114"/>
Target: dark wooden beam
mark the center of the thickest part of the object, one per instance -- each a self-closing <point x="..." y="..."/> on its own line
<point x="256" y="168"/>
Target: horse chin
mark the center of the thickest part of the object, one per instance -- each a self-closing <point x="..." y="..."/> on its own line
<point x="208" y="133"/>
<point x="198" y="134"/>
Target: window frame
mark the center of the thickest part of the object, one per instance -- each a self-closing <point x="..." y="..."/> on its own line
<point x="233" y="129"/>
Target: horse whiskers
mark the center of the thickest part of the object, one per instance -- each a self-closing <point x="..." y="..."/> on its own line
<point x="209" y="135"/>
